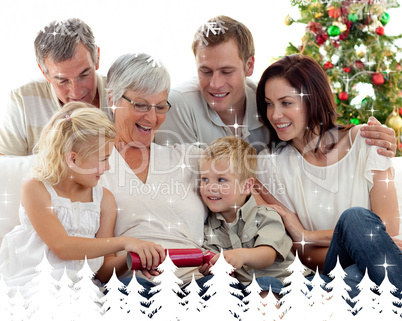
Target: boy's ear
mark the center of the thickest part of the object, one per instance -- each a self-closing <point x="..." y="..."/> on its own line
<point x="248" y="185"/>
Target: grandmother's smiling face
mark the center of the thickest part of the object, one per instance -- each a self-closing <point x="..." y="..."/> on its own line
<point x="138" y="128"/>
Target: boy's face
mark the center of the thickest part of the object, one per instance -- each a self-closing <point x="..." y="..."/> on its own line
<point x="221" y="190"/>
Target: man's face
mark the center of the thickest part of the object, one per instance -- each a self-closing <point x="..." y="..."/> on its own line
<point x="75" y="78"/>
<point x="222" y="74"/>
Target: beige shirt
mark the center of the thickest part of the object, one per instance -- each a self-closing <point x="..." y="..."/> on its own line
<point x="254" y="226"/>
<point x="192" y="120"/>
<point x="29" y="109"/>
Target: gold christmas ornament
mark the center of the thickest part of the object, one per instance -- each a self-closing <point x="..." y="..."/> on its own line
<point x="288" y="20"/>
<point x="387" y="52"/>
<point x="342" y="27"/>
<point x="394" y="121"/>
<point x="319" y="15"/>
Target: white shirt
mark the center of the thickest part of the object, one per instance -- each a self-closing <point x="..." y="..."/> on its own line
<point x="319" y="195"/>
<point x="166" y="209"/>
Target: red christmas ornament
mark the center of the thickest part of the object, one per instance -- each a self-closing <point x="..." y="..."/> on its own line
<point x="400" y="111"/>
<point x="377" y="79"/>
<point x="328" y="65"/>
<point x="321" y="38"/>
<point x="380" y="31"/>
<point x="346" y="69"/>
<point x="334" y="12"/>
<point x="343" y="96"/>
<point x="314" y="27"/>
<point x="359" y="64"/>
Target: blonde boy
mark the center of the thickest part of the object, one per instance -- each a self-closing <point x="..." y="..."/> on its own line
<point x="252" y="237"/>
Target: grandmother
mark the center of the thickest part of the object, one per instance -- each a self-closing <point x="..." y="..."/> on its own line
<point x="154" y="186"/>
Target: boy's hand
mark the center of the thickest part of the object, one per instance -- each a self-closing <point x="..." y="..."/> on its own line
<point x="381" y="136"/>
<point x="204" y="269"/>
<point x="150" y="253"/>
<point x="235" y="258"/>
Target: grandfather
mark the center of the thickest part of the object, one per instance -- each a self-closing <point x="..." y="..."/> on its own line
<point x="68" y="58"/>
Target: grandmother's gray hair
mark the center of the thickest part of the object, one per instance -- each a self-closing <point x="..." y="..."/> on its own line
<point x="58" y="41"/>
<point x="137" y="72"/>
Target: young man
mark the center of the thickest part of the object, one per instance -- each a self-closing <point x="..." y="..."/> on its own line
<point x="68" y="59"/>
<point x="222" y="100"/>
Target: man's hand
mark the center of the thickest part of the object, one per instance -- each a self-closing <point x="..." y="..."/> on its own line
<point x="380" y="136"/>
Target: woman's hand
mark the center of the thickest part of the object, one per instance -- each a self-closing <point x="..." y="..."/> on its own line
<point x="150" y="253"/>
<point x="291" y="222"/>
<point x="381" y="136"/>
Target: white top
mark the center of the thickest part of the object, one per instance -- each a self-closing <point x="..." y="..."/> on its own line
<point x="29" y="109"/>
<point x="166" y="209"/>
<point x="319" y="195"/>
<point x="192" y="120"/>
<point x="22" y="249"/>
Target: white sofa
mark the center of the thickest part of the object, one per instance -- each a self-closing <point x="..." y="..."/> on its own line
<point x="14" y="170"/>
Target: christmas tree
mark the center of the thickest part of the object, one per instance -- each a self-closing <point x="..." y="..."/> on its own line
<point x="363" y="63"/>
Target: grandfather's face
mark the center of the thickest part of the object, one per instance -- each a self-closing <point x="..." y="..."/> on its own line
<point x="74" y="79"/>
<point x="135" y="127"/>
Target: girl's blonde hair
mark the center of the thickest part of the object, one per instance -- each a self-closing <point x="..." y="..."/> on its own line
<point x="77" y="127"/>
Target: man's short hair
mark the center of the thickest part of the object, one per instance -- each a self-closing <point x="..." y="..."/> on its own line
<point x="58" y="41"/>
<point x="242" y="157"/>
<point x="221" y="29"/>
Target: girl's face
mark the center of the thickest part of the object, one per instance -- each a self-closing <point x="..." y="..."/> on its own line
<point x="87" y="171"/>
<point x="138" y="128"/>
<point x="285" y="110"/>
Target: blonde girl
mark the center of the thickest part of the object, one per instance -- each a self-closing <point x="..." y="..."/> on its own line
<point x="64" y="213"/>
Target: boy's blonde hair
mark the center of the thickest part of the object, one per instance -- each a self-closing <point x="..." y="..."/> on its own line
<point x="78" y="127"/>
<point x="241" y="155"/>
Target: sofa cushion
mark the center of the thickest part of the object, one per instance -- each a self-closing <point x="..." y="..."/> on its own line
<point x="14" y="170"/>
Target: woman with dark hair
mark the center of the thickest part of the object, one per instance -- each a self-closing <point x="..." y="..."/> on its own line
<point x="334" y="192"/>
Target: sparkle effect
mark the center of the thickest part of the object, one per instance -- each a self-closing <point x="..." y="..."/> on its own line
<point x="303" y="243"/>
<point x="236" y="126"/>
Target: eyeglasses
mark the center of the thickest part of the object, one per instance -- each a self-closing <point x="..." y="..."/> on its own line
<point x="142" y="107"/>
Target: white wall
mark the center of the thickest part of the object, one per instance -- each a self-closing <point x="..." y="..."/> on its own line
<point x="163" y="28"/>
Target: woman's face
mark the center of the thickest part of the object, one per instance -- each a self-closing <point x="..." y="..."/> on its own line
<point x="285" y="109"/>
<point x="138" y="128"/>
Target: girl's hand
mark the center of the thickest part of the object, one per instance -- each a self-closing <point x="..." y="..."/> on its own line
<point x="150" y="273"/>
<point x="150" y="253"/>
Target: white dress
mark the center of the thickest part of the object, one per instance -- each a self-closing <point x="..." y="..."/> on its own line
<point x="317" y="194"/>
<point x="166" y="209"/>
<point x="22" y="249"/>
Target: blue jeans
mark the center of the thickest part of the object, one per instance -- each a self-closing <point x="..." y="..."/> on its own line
<point x="265" y="282"/>
<point x="360" y="241"/>
<point x="144" y="283"/>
